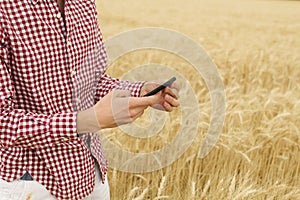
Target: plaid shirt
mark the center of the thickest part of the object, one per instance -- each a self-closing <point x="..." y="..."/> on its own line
<point x="50" y="70"/>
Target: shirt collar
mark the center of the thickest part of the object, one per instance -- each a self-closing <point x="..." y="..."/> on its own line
<point x="34" y="1"/>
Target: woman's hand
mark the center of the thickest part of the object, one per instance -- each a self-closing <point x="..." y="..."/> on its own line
<point x="167" y="98"/>
<point x="118" y="108"/>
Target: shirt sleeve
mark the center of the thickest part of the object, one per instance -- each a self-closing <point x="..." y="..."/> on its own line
<point x="19" y="128"/>
<point x="107" y="84"/>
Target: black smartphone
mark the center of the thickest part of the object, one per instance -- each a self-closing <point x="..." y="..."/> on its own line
<point x="161" y="87"/>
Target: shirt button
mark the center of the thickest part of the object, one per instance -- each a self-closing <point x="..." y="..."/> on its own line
<point x="73" y="72"/>
<point x="58" y="15"/>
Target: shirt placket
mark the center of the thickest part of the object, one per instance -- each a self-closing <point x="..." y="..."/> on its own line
<point x="66" y="27"/>
<point x="73" y="70"/>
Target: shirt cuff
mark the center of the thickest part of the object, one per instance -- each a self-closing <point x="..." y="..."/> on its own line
<point x="134" y="88"/>
<point x="64" y="125"/>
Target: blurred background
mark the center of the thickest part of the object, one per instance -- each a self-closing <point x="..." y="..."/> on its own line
<point x="255" y="45"/>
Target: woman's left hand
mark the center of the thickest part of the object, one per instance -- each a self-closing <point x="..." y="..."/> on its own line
<point x="168" y="96"/>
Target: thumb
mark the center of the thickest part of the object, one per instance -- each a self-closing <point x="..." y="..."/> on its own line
<point x="146" y="101"/>
<point x="121" y="93"/>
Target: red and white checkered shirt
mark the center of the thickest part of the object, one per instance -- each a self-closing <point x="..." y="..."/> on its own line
<point x="50" y="70"/>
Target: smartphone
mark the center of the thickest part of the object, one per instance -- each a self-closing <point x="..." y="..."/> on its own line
<point x="161" y="87"/>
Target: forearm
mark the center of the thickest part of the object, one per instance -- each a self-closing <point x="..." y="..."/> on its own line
<point x="30" y="130"/>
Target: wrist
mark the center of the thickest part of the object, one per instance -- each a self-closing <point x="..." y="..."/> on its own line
<point x="87" y="121"/>
<point x="143" y="89"/>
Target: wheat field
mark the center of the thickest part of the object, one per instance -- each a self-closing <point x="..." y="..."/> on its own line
<point x="256" y="47"/>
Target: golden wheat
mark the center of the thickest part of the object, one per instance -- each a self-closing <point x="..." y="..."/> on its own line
<point x="256" y="46"/>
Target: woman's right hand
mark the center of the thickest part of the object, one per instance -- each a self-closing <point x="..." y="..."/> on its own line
<point x="118" y="108"/>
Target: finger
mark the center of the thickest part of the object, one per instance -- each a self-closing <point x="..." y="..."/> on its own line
<point x="167" y="107"/>
<point x="139" y="114"/>
<point x="159" y="107"/>
<point x="145" y="101"/>
<point x="171" y="91"/>
<point x="136" y="111"/>
<point x="175" y="86"/>
<point x="172" y="101"/>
